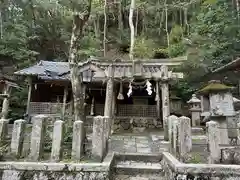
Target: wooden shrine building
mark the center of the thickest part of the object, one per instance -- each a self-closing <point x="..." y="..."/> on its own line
<point x="143" y="95"/>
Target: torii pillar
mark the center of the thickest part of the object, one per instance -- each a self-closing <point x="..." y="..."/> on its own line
<point x="165" y="100"/>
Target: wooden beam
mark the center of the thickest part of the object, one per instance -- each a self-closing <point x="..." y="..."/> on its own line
<point x="29" y="95"/>
<point x="64" y="101"/>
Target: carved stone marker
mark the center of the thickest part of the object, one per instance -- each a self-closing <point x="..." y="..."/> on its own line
<point x="213" y="135"/>
<point x="18" y="137"/>
<point x="175" y="138"/>
<point x="185" y="137"/>
<point x="98" y="139"/>
<point x="56" y="153"/>
<point x="171" y="120"/>
<point x="37" y="137"/>
<point x="77" y="141"/>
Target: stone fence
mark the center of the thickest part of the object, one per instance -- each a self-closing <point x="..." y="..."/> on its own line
<point x="100" y="135"/>
<point x="222" y="144"/>
<point x="176" y="170"/>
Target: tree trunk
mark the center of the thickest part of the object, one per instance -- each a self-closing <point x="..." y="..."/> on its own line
<point x="136" y="24"/>
<point x="1" y="25"/>
<point x="186" y="20"/>
<point x="166" y="26"/>
<point x="120" y="22"/>
<point x="132" y="7"/>
<point x="237" y="6"/>
<point x="105" y="28"/>
<point x="79" y="21"/>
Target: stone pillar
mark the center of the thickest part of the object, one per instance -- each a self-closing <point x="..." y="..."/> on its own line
<point x="17" y="137"/>
<point x="98" y="139"/>
<point x="238" y="131"/>
<point x="165" y="100"/>
<point x="78" y="140"/>
<point x="3" y="130"/>
<point x="114" y="106"/>
<point x="5" y="104"/>
<point x="213" y="137"/>
<point x="109" y="93"/>
<point x="37" y="137"/>
<point x="114" y="103"/>
<point x="195" y="109"/>
<point x="157" y="99"/>
<point x="107" y="126"/>
<point x="57" y="140"/>
<point x="165" y="108"/>
<point x="171" y="119"/>
<point x="222" y="122"/>
<point x="185" y="137"/>
<point x="231" y="125"/>
<point x="175" y="138"/>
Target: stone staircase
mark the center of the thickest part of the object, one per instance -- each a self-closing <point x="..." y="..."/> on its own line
<point x="137" y="167"/>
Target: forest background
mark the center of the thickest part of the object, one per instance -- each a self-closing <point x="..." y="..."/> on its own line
<point x="206" y="31"/>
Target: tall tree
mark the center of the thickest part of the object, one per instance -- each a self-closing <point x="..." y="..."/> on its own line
<point x="79" y="20"/>
<point x="131" y="25"/>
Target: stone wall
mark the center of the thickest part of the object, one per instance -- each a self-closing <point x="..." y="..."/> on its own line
<point x="44" y="141"/>
<point x="136" y="123"/>
<point x="58" y="171"/>
<point x="175" y="170"/>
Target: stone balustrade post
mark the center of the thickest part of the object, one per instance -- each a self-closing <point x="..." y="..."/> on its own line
<point x="185" y="137"/>
<point x="238" y="131"/>
<point x="56" y="153"/>
<point x="3" y="130"/>
<point x="17" y="137"/>
<point x="175" y="138"/>
<point x="213" y="137"/>
<point x="98" y="138"/>
<point x="223" y="128"/>
<point x="37" y="137"/>
<point x="78" y="140"/>
<point x="171" y="120"/>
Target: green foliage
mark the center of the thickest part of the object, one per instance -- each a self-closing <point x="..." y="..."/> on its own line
<point x="177" y="49"/>
<point x="18" y="102"/>
<point x="33" y="30"/>
<point x="215" y="34"/>
<point x="144" y="48"/>
<point x="195" y="158"/>
<point x="176" y="34"/>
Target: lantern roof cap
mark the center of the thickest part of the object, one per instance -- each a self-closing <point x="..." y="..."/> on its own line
<point x="194" y="99"/>
<point x="214" y="86"/>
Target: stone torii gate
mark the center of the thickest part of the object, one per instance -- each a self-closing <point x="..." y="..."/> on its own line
<point x="7" y="85"/>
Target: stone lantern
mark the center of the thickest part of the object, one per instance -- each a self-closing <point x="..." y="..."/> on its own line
<point x="195" y="109"/>
<point x="217" y="102"/>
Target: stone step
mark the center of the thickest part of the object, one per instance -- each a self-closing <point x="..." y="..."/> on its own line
<point x="139" y="177"/>
<point x="138" y="157"/>
<point x="135" y="168"/>
<point x="197" y="131"/>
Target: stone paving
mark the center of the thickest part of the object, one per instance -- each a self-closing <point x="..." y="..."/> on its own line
<point x="136" y="144"/>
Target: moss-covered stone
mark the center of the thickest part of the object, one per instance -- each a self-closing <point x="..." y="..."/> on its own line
<point x="214" y="86"/>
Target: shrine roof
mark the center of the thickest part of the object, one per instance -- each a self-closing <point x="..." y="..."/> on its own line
<point x="233" y="65"/>
<point x="52" y="70"/>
